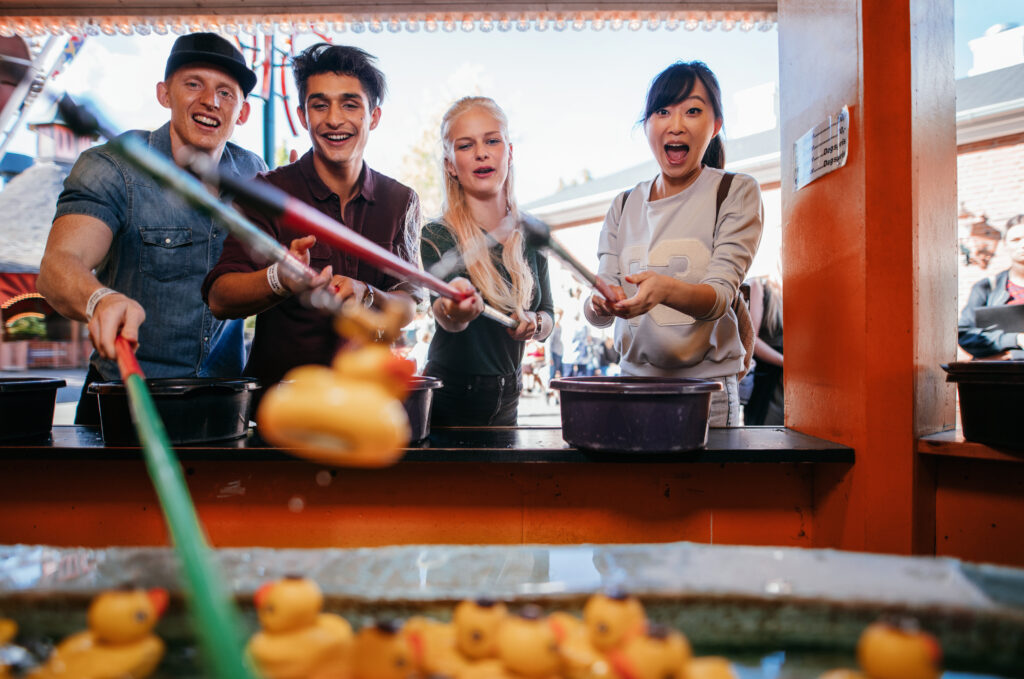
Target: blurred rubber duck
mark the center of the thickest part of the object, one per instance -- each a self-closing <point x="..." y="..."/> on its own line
<point x="528" y="646"/>
<point x="381" y="651"/>
<point x="476" y="624"/>
<point x="433" y="646"/>
<point x="297" y="640"/>
<point x="611" y="618"/>
<point x="119" y="643"/>
<point x="709" y="667"/>
<point x="580" y="659"/>
<point x="8" y="655"/>
<point x="895" y="648"/>
<point x="349" y="414"/>
<point x="656" y="653"/>
<point x="899" y="649"/>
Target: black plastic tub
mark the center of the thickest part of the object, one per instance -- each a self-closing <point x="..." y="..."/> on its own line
<point x="990" y="396"/>
<point x="635" y="414"/>
<point x="26" y="407"/>
<point x="193" y="410"/>
<point x="417" y="405"/>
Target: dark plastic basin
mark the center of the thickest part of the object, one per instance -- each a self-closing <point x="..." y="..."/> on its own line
<point x="417" y="405"/>
<point x="26" y="406"/>
<point x="193" y="410"/>
<point x="635" y="414"/>
<point x="990" y="396"/>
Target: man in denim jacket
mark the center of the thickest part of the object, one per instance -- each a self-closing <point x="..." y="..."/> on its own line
<point x="128" y="257"/>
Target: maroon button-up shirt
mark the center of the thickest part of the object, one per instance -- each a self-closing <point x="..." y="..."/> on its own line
<point x="291" y="334"/>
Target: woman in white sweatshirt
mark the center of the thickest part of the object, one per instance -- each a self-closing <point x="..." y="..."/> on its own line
<point x="676" y="248"/>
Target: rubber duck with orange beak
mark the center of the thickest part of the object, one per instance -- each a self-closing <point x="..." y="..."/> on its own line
<point x="119" y="643"/>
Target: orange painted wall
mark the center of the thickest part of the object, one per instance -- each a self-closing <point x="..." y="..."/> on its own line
<point x="866" y="314"/>
<point x="979" y="510"/>
<point x="297" y="504"/>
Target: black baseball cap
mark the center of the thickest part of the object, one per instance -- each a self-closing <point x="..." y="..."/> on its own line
<point x="210" y="48"/>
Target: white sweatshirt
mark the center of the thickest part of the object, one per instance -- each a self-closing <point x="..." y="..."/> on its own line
<point x="677" y="236"/>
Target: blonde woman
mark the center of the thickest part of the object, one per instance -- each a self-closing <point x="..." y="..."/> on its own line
<point x="477" y="359"/>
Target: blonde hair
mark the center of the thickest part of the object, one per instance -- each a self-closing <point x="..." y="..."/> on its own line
<point x="472" y="240"/>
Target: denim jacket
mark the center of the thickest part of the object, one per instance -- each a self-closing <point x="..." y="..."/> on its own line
<point x="161" y="251"/>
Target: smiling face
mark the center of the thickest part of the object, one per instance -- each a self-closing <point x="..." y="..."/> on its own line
<point x="477" y="153"/>
<point x="339" y="119"/>
<point x="206" y="103"/>
<point x="679" y="135"/>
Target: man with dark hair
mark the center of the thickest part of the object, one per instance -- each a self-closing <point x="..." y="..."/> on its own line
<point x="340" y="91"/>
<point x="149" y="250"/>
<point x="983" y="340"/>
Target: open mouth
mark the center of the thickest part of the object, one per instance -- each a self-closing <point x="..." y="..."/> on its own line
<point x="676" y="153"/>
<point x="336" y="137"/>
<point x="483" y="172"/>
<point x="206" y="121"/>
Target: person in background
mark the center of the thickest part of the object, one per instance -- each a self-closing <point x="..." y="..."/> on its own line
<point x="608" y="358"/>
<point x="583" y="352"/>
<point x="675" y="256"/>
<point x="418" y="353"/>
<point x="340" y="92"/>
<point x="148" y="249"/>
<point x="766" y="405"/>
<point x="555" y="347"/>
<point x="1006" y="287"/>
<point x="533" y="366"/>
<point x="479" y="360"/>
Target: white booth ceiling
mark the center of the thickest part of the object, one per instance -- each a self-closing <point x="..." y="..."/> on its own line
<point x="110" y="17"/>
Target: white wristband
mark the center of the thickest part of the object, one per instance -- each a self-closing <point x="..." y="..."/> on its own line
<point x="275" y="282"/>
<point x="94" y="299"/>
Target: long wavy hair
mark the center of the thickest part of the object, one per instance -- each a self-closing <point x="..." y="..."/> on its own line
<point x="507" y="294"/>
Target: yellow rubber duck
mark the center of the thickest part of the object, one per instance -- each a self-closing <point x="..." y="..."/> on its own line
<point x="580" y="659"/>
<point x="528" y="646"/>
<point x="476" y="627"/>
<point x="433" y="646"/>
<point x="382" y="652"/>
<point x="894" y="649"/>
<point x="612" y="618"/>
<point x="8" y="630"/>
<point x="476" y="624"/>
<point x="709" y="667"/>
<point x="349" y="414"/>
<point x="298" y="640"/>
<point x="657" y="653"/>
<point x="119" y="643"/>
<point x="899" y="649"/>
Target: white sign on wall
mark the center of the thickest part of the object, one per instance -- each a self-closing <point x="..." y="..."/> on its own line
<point x="822" y="149"/>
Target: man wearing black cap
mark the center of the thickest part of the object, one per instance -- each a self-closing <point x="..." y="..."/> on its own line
<point x="128" y="257"/>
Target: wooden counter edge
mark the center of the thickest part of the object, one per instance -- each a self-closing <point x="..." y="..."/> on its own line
<point x="951" y="443"/>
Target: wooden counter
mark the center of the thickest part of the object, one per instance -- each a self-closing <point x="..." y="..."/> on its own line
<point x="461" y="486"/>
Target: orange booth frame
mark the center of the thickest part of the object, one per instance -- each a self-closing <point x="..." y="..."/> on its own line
<point x="870" y="314"/>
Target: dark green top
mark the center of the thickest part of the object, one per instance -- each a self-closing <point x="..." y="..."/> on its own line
<point x="484" y="347"/>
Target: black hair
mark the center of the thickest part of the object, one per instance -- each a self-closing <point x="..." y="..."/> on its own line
<point x="343" y="60"/>
<point x="676" y="83"/>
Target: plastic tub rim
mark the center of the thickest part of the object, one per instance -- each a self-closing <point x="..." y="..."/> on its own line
<point x="646" y="386"/>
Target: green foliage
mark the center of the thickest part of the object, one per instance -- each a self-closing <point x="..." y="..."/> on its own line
<point x="27" y="327"/>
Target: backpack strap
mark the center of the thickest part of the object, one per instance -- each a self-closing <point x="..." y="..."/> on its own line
<point x="622" y="203"/>
<point x="748" y="334"/>
<point x="723" y="191"/>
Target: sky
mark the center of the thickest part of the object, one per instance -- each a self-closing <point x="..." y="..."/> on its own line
<point x="572" y="98"/>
